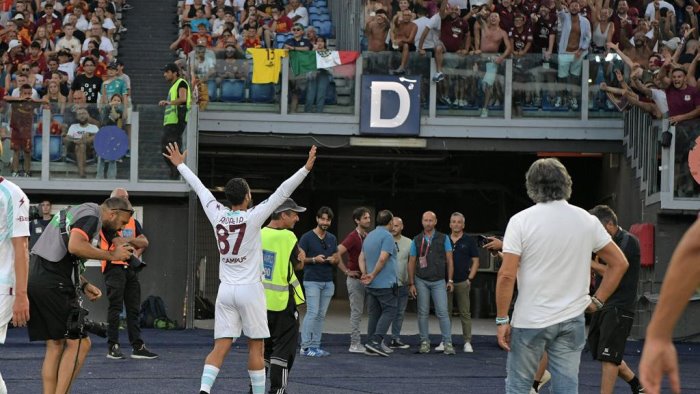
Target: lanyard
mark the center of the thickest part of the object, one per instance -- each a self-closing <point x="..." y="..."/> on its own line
<point x="426" y="249"/>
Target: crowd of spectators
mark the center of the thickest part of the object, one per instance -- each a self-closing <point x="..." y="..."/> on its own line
<point x="640" y="52"/>
<point x="61" y="55"/>
<point x="216" y="34"/>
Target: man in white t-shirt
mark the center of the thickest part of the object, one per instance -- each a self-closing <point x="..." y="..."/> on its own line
<point x="14" y="259"/>
<point x="69" y="42"/>
<point x="657" y="5"/>
<point x="548" y="248"/>
<point x="240" y="301"/>
<point x="298" y="13"/>
<point x="79" y="139"/>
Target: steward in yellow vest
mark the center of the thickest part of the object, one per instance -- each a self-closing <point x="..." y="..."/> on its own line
<point x="177" y="111"/>
<point x="281" y="257"/>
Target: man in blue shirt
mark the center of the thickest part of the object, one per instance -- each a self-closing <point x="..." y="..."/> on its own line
<point x="430" y="262"/>
<point x="378" y="266"/>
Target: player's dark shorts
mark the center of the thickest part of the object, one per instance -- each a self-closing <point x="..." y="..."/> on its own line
<point x="49" y="308"/>
<point x="608" y="332"/>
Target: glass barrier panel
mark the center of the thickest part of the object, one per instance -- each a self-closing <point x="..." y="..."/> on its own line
<point x="389" y="63"/>
<point x="224" y="80"/>
<point x="151" y="132"/>
<point x="20" y="122"/>
<point x="686" y="183"/>
<point x="605" y="85"/>
<point x="330" y="90"/>
<point x="473" y="85"/>
<point x="90" y="141"/>
<point x="547" y="86"/>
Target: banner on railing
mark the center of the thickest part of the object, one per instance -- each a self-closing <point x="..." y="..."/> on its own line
<point x="390" y="105"/>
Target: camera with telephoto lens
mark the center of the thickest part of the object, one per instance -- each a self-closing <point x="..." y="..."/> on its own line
<point x="78" y="325"/>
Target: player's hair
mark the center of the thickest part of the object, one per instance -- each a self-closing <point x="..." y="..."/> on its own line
<point x="236" y="190"/>
<point x="384" y="217"/>
<point x="358" y="213"/>
<point x="327" y="210"/>
<point x="605" y="214"/>
<point x="548" y="180"/>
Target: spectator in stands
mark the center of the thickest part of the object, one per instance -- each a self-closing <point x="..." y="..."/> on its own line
<point x="15" y="55"/>
<point x="404" y="35"/>
<point x="200" y="20"/>
<point x="202" y="68"/>
<point x="67" y="64"/>
<point x="231" y="67"/>
<point x="78" y="19"/>
<point x="488" y="40"/>
<point x="252" y="39"/>
<point x="50" y="21"/>
<point x="69" y="42"/>
<point x="54" y="98"/>
<point x="96" y="33"/>
<point x="574" y="43"/>
<point x="623" y="21"/>
<point x="298" y="13"/>
<point x="102" y="18"/>
<point x="641" y="49"/>
<point x="113" y="114"/>
<point x="113" y="85"/>
<point x="224" y="41"/>
<point x="428" y="37"/>
<point x="45" y="42"/>
<point x="23" y="79"/>
<point x="190" y="10"/>
<point x="24" y="29"/>
<point x="36" y="79"/>
<point x="683" y="100"/>
<point x="22" y="114"/>
<point x="225" y="5"/>
<point x="279" y="24"/>
<point x="203" y="34"/>
<point x="376" y="30"/>
<point x="36" y="55"/>
<point x="521" y="38"/>
<point x="317" y="82"/>
<point x="297" y="43"/>
<point x="653" y="10"/>
<point x="79" y="139"/>
<point x="184" y="44"/>
<point x="88" y="82"/>
<point x="217" y="23"/>
<point x="311" y="33"/>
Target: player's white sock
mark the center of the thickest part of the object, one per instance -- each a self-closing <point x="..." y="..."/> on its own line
<point x="208" y="377"/>
<point x="257" y="381"/>
<point x="3" y="388"/>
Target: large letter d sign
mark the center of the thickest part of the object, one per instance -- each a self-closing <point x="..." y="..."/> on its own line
<point x="377" y="88"/>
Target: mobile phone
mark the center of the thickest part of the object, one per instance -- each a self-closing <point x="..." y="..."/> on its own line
<point x="482" y="240"/>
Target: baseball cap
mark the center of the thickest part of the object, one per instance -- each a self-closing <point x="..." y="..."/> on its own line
<point x="171" y="67"/>
<point x="289" y="205"/>
<point x="18" y="16"/>
<point x="112" y="65"/>
<point x="13" y="44"/>
<point x="672" y="44"/>
<point x="299" y="25"/>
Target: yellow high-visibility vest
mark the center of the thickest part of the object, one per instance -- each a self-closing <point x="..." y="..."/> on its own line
<point x="278" y="273"/>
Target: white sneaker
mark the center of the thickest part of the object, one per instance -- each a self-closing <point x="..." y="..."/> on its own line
<point x="440" y="347"/>
<point x="546" y="377"/>
<point x="468" y="348"/>
<point x="484" y="113"/>
<point x="356" y="348"/>
<point x="386" y="348"/>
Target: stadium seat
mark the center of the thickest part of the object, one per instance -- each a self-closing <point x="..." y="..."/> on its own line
<point x="325" y="29"/>
<point x="55" y="147"/>
<point x="324" y="17"/>
<point x="232" y="90"/>
<point x="320" y="3"/>
<point x="262" y="92"/>
<point x="313" y="10"/>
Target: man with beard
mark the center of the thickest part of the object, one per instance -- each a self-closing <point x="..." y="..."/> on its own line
<point x="321" y="249"/>
<point x="240" y="300"/>
<point x="55" y="284"/>
<point x="352" y="245"/>
<point x="545" y="33"/>
<point x="641" y="50"/>
<point x="623" y="20"/>
<point x="573" y="47"/>
<point x="376" y="30"/>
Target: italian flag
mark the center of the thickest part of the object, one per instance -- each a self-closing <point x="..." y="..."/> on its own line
<point x="305" y="61"/>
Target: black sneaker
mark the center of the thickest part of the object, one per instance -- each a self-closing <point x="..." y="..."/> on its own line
<point x="143" y="353"/>
<point x="115" y="353"/>
<point x="376" y="348"/>
<point x="397" y="344"/>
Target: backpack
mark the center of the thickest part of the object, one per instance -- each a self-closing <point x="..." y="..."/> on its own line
<point x="154" y="315"/>
<point x="203" y="308"/>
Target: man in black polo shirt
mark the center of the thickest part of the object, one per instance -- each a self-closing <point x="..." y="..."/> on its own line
<point x="611" y="325"/>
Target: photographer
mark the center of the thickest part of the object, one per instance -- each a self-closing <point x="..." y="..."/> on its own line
<point x="39" y="223"/>
<point x="55" y="285"/>
<point x="123" y="287"/>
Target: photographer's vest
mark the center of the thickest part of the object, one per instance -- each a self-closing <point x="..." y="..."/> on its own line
<point x="172" y="111"/>
<point x="434" y="251"/>
<point x="129" y="231"/>
<point x="38" y="227"/>
<point x="279" y="279"/>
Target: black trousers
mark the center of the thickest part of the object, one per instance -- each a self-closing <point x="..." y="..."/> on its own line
<point x="172" y="133"/>
<point x="281" y="346"/>
<point x="123" y="289"/>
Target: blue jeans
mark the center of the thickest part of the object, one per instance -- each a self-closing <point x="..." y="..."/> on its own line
<point x="318" y="296"/>
<point x="316" y="86"/>
<point x="437" y="290"/>
<point x="111" y="168"/>
<point x="398" y="321"/>
<point x="381" y="306"/>
<point x="563" y="341"/>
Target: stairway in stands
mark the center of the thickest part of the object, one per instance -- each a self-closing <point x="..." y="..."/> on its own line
<point x="145" y="51"/>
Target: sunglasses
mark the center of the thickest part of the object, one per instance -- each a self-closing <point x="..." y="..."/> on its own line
<point x="323" y="244"/>
<point x="296" y="29"/>
<point x="129" y="211"/>
<point x="24" y="69"/>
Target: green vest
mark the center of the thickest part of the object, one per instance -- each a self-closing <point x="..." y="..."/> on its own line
<point x="171" y="111"/>
<point x="278" y="274"/>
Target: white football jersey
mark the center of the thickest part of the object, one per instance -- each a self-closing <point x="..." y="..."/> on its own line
<point x="14" y="222"/>
<point x="238" y="232"/>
